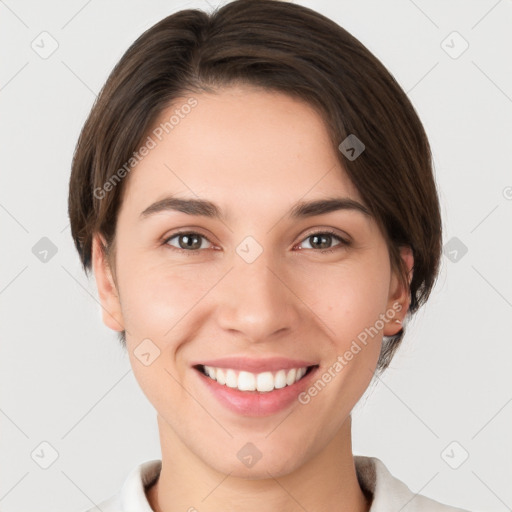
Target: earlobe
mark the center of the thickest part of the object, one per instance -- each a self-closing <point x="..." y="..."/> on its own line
<point x="399" y="299"/>
<point x="107" y="291"/>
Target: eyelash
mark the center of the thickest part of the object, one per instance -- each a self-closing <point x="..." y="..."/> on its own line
<point x="344" y="243"/>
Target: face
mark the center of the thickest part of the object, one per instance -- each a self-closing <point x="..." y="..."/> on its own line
<point x="255" y="293"/>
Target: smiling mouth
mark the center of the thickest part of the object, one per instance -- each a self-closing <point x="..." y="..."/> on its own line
<point x="263" y="382"/>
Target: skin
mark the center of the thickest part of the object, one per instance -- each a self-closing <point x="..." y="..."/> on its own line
<point x="292" y="301"/>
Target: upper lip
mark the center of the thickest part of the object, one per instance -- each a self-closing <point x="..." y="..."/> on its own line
<point x="256" y="365"/>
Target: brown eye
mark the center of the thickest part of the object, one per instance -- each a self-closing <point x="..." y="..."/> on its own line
<point x="187" y="241"/>
<point x="321" y="241"/>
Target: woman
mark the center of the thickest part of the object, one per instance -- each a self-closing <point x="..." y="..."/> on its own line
<point x="254" y="193"/>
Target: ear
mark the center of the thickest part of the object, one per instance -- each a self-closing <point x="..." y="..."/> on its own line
<point x="399" y="297"/>
<point x="107" y="291"/>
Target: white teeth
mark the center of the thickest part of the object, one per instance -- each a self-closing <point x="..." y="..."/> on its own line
<point x="210" y="372"/>
<point x="280" y="379"/>
<point x="246" y="381"/>
<point x="300" y="373"/>
<point x="231" y="379"/>
<point x="263" y="382"/>
<point x="290" y="376"/>
<point x="221" y="376"/>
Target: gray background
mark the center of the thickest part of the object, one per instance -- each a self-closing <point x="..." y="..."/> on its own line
<point x="64" y="378"/>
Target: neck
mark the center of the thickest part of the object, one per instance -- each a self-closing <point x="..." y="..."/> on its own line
<point x="326" y="482"/>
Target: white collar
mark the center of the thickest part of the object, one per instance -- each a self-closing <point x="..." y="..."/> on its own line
<point x="388" y="493"/>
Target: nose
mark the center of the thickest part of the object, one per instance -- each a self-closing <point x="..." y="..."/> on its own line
<point x="256" y="300"/>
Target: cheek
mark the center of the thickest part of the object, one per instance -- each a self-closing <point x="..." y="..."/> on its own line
<point x="348" y="298"/>
<point x="155" y="298"/>
<point x="161" y="310"/>
<point x="349" y="302"/>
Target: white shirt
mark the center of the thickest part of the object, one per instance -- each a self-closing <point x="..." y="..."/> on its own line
<point x="389" y="494"/>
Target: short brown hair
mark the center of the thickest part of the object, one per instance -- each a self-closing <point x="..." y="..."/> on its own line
<point x="287" y="48"/>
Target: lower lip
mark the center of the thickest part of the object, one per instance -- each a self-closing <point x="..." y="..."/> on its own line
<point x="255" y="403"/>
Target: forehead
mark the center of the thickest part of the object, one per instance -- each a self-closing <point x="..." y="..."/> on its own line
<point x="258" y="146"/>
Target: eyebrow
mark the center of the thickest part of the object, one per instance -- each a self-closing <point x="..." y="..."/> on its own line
<point x="302" y="209"/>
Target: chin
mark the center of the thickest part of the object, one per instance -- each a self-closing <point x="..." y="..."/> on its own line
<point x="264" y="468"/>
<point x="255" y="461"/>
